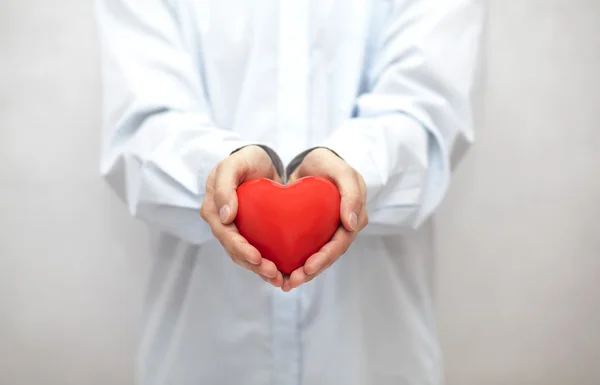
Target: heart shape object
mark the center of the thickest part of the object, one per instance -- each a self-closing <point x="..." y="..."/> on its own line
<point x="288" y="223"/>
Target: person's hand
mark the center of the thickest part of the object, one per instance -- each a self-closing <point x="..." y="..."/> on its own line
<point x="353" y="211"/>
<point x="220" y="205"/>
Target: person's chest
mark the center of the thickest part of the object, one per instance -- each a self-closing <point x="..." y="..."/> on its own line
<point x="281" y="71"/>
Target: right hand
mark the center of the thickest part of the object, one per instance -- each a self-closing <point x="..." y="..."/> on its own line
<point x="220" y="205"/>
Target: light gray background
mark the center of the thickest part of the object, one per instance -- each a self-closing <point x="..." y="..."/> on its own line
<point x="518" y="278"/>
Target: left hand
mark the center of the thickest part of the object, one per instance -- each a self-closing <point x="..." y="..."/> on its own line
<point x="324" y="163"/>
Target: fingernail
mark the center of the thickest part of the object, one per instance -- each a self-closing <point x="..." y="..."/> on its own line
<point x="353" y="221"/>
<point x="224" y="213"/>
<point x="253" y="262"/>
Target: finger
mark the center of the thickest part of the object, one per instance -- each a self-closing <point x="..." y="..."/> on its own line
<point x="286" y="287"/>
<point x="297" y="278"/>
<point x="275" y="282"/>
<point x="265" y="269"/>
<point x="339" y="244"/>
<point x="311" y="277"/>
<point x="235" y="245"/>
<point x="278" y="280"/>
<point x="324" y="163"/>
<point x="227" y="180"/>
<point x="250" y="162"/>
<point x="352" y="202"/>
<point x="228" y="235"/>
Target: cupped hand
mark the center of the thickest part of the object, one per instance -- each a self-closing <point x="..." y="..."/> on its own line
<point x="324" y="163"/>
<point x="220" y="205"/>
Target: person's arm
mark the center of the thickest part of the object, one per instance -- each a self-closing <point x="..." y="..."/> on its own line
<point x="160" y="141"/>
<point x="412" y="124"/>
<point x="413" y="117"/>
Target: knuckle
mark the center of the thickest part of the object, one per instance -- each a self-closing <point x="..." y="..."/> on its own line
<point x="247" y="162"/>
<point x="221" y="195"/>
<point x="347" y="176"/>
<point x="237" y="261"/>
<point x="223" y="238"/>
<point x="219" y="167"/>
<point x="219" y="236"/>
<point x="233" y="161"/>
<point x="205" y="210"/>
<point x="351" y="188"/>
<point x="236" y="250"/>
<point x="215" y="231"/>
<point x="226" y="165"/>
<point x="231" y="252"/>
<point x="344" y="246"/>
<point x="354" y="200"/>
<point x="226" y="236"/>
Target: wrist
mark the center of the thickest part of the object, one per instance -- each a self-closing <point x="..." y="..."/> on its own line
<point x="275" y="159"/>
<point x="297" y="161"/>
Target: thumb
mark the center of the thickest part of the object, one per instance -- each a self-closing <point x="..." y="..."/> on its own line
<point x="226" y="184"/>
<point x="351" y="204"/>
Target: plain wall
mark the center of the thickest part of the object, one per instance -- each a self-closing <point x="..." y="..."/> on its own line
<point x="518" y="292"/>
<point x="519" y="235"/>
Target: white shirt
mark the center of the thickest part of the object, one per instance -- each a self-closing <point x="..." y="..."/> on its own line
<point x="386" y="84"/>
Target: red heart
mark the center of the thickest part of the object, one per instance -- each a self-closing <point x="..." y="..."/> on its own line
<point x="288" y="223"/>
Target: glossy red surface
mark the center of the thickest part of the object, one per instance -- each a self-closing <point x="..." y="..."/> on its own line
<point x="288" y="223"/>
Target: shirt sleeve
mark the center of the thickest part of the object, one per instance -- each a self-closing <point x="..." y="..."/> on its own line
<point x="159" y="141"/>
<point x="413" y="117"/>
